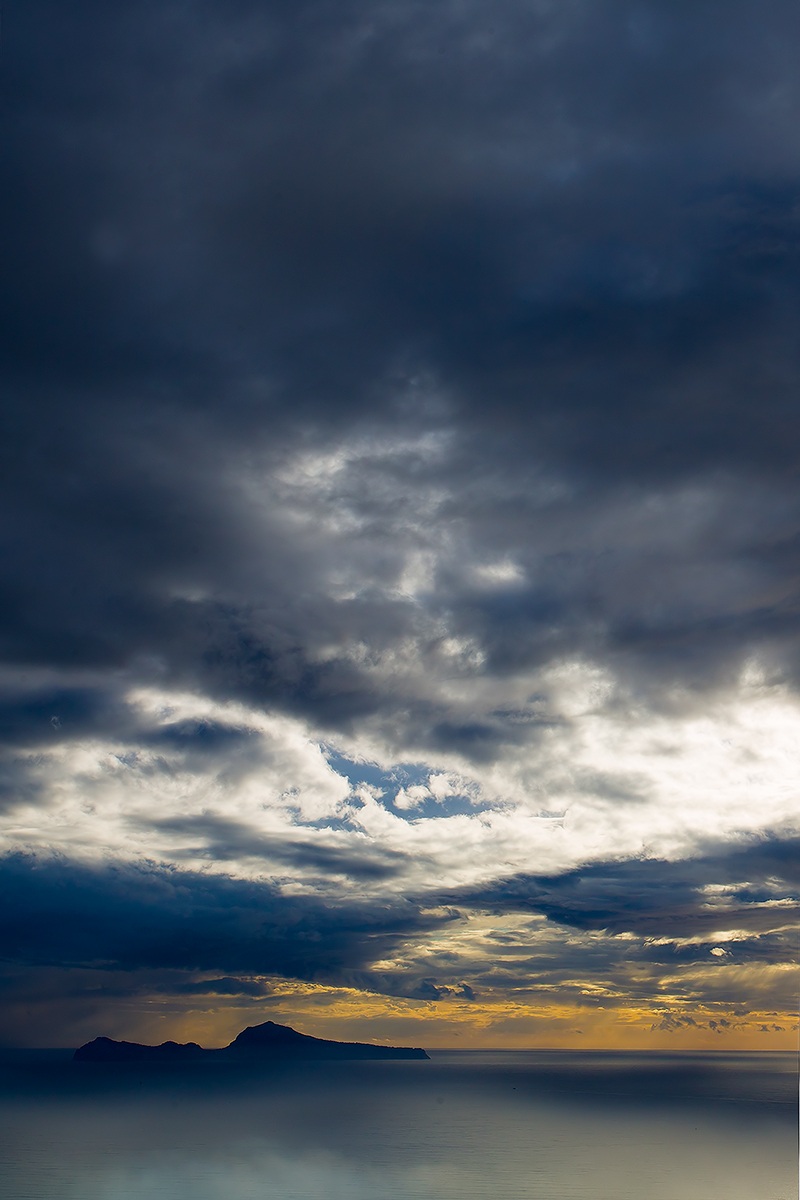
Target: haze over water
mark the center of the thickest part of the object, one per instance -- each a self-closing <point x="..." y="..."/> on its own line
<point x="517" y="1125"/>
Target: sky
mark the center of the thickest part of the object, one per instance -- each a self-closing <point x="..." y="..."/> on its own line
<point x="400" y="522"/>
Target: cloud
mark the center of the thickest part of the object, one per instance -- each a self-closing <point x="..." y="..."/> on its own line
<point x="64" y="914"/>
<point x="429" y="989"/>
<point x="232" y="840"/>
<point x="686" y="900"/>
<point x="539" y="242"/>
<point x="406" y="390"/>
<point x="226" y="986"/>
<point x="671" y="1022"/>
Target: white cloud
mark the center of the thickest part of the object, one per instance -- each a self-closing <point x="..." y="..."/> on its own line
<point x="624" y="783"/>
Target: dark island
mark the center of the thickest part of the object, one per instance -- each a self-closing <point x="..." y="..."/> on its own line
<point x="256" y="1044"/>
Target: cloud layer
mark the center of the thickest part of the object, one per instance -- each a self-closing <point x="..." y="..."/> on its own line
<point x="399" y="496"/>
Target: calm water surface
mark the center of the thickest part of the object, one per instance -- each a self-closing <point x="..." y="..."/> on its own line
<point x="536" y="1125"/>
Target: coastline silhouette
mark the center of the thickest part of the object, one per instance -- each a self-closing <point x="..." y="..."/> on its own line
<point x="257" y="1043"/>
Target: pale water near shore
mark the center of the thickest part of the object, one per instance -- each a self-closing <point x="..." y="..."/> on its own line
<point x="510" y="1126"/>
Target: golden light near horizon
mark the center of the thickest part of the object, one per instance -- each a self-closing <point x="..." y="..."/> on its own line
<point x="533" y="1022"/>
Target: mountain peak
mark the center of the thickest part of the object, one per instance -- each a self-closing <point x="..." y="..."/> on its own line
<point x="257" y="1043"/>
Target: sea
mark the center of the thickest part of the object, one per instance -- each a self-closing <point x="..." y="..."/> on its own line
<point x="467" y="1125"/>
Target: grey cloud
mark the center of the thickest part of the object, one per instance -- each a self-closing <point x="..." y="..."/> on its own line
<point x="224" y="839"/>
<point x="203" y="737"/>
<point x="655" y="898"/>
<point x="414" y="981"/>
<point x="430" y="989"/>
<point x="65" y="914"/>
<point x="412" y="203"/>
<point x="617" y="975"/>
<point x="671" y="1021"/>
<point x="719" y="1026"/>
<point x="225" y="986"/>
<point x="47" y="716"/>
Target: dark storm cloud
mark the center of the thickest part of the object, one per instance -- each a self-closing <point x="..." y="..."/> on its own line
<point x="21" y="984"/>
<point x="48" y="715"/>
<point x="63" y="914"/>
<point x="581" y="225"/>
<point x="414" y="982"/>
<point x="226" y="986"/>
<point x="657" y="899"/>
<point x="199" y="737"/>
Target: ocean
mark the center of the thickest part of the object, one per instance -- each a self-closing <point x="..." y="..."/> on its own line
<point x="469" y="1125"/>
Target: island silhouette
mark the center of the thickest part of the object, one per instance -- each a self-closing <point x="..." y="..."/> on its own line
<point x="264" y="1043"/>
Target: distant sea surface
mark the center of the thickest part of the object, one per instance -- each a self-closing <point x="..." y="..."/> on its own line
<point x="483" y="1125"/>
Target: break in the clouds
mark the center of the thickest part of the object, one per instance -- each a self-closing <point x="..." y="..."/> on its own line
<point x="400" y="516"/>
